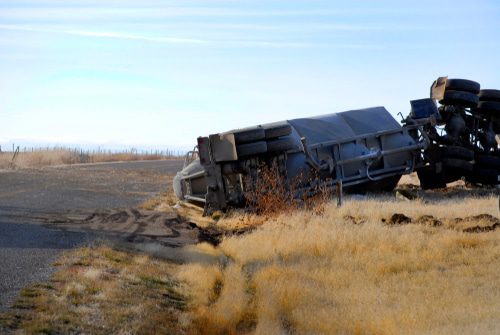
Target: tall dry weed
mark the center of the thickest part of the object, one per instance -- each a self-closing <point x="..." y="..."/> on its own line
<point x="273" y="193"/>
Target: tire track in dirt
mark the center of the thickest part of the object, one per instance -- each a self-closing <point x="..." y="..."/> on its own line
<point x="131" y="225"/>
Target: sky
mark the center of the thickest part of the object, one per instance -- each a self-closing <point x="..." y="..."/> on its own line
<point x="158" y="74"/>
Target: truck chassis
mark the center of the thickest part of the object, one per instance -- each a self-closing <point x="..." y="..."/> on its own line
<point x="365" y="149"/>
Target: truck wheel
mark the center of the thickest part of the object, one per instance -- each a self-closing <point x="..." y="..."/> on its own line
<point x="463" y="85"/>
<point x="251" y="135"/>
<point x="460" y="98"/>
<point x="452" y="175"/>
<point x="489" y="95"/>
<point x="278" y="131"/>
<point x="485" y="177"/>
<point x="281" y="144"/>
<point x="489" y="106"/>
<point x="488" y="162"/>
<point x="459" y="164"/>
<point x="457" y="152"/>
<point x="429" y="179"/>
<point x="496" y="127"/>
<point x="250" y="149"/>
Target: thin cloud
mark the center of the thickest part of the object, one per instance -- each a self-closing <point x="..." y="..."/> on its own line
<point x="312" y="27"/>
<point x="114" y="35"/>
<point x="178" y="40"/>
<point x="136" y="37"/>
<point x="301" y="45"/>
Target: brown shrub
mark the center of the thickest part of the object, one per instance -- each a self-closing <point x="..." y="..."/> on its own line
<point x="274" y="194"/>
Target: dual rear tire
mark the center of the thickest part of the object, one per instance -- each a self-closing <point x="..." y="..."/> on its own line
<point x="489" y="102"/>
<point x="461" y="92"/>
<point x="456" y="163"/>
<point x="486" y="170"/>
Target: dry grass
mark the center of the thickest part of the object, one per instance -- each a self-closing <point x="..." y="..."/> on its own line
<point x="63" y="156"/>
<point x="100" y="291"/>
<point x="347" y="272"/>
<point x="161" y="202"/>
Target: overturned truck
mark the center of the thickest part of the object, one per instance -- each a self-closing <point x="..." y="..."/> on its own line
<point x="362" y="150"/>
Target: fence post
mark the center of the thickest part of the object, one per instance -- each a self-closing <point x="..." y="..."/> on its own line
<point x="339" y="193"/>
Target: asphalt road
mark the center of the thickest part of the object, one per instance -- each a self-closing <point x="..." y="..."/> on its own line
<point x="28" y="249"/>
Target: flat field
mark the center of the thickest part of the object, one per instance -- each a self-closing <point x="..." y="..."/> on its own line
<point x="41" y="157"/>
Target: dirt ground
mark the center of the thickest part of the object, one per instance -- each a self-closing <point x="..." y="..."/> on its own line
<point x="36" y="206"/>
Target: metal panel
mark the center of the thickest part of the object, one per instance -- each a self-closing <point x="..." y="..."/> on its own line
<point x="223" y="147"/>
<point x="324" y="128"/>
<point x="370" y="120"/>
<point x="341" y="126"/>
<point x="423" y="108"/>
<point x="438" y="88"/>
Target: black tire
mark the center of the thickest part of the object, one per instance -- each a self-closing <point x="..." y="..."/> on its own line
<point x="484" y="177"/>
<point x="453" y="164"/>
<point x="496" y="127"/>
<point x="278" y="131"/>
<point x="489" y="95"/>
<point x="250" y="149"/>
<point x="463" y="85"/>
<point x="251" y="135"/>
<point x="489" y="106"/>
<point x="429" y="179"/>
<point x="457" y="152"/>
<point x="488" y="162"/>
<point x="460" y="98"/>
<point x="281" y="144"/>
<point x="451" y="175"/>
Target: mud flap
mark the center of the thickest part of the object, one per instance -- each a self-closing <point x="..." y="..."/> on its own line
<point x="438" y="88"/>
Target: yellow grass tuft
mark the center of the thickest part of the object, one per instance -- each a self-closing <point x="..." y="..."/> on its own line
<point x="348" y="272"/>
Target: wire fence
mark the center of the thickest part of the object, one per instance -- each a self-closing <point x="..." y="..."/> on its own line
<point x="43" y="156"/>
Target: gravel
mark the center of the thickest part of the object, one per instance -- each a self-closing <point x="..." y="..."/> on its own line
<point x="27" y="249"/>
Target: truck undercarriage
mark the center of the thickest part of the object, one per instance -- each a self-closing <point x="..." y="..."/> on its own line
<point x="364" y="149"/>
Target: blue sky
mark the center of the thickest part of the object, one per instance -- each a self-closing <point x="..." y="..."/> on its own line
<point x="157" y="74"/>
